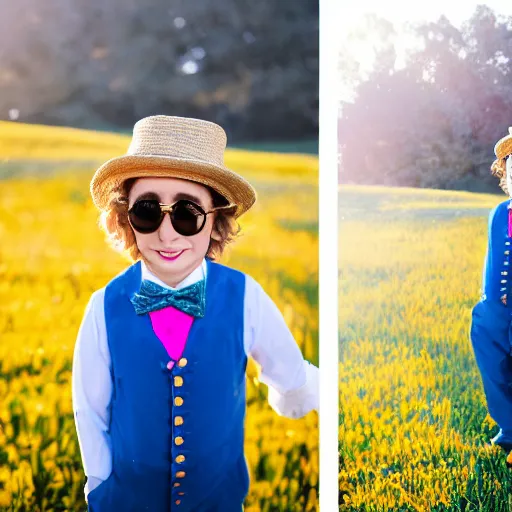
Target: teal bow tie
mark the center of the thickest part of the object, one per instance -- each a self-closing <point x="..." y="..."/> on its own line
<point x="152" y="296"/>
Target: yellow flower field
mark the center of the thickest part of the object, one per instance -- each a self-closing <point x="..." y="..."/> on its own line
<point x="53" y="256"/>
<point x="413" y="421"/>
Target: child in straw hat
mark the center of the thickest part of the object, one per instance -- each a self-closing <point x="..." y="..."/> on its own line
<point x="160" y="359"/>
<point x="491" y="317"/>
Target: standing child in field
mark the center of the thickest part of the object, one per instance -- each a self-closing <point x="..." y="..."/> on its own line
<point x="492" y="315"/>
<point x="160" y="359"/>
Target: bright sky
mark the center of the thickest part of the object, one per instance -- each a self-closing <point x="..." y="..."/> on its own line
<point x="399" y="12"/>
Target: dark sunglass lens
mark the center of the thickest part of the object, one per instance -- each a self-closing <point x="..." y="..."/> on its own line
<point x="187" y="218"/>
<point x="145" y="216"/>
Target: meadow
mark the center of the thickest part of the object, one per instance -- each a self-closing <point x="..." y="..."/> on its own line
<point x="53" y="256"/>
<point x="413" y="422"/>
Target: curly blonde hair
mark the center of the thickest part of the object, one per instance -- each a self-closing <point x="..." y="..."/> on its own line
<point x="499" y="169"/>
<point x="119" y="233"/>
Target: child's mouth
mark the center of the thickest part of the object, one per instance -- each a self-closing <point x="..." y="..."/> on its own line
<point x="170" y="256"/>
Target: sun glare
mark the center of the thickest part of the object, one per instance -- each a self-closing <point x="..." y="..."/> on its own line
<point x="360" y="35"/>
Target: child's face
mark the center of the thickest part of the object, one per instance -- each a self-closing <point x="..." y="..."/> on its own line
<point x="183" y="253"/>
<point x="509" y="175"/>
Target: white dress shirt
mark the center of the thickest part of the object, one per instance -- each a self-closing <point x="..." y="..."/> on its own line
<point x="292" y="381"/>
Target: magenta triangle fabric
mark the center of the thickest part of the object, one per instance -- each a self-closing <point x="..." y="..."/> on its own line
<point x="171" y="327"/>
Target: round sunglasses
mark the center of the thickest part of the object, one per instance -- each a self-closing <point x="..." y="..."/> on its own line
<point x="187" y="217"/>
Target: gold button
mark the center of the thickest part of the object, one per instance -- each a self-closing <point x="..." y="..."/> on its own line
<point x="178" y="381"/>
<point x="178" y="502"/>
<point x="180" y="459"/>
<point x="178" y="401"/>
<point x="177" y="484"/>
<point x="178" y="421"/>
<point x="178" y="441"/>
<point x="180" y="474"/>
<point x="182" y="362"/>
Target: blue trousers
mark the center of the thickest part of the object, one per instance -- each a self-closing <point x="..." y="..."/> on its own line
<point x="491" y="339"/>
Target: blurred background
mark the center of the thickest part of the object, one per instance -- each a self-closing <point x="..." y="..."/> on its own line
<point x="250" y="66"/>
<point x="74" y="78"/>
<point x="426" y="91"/>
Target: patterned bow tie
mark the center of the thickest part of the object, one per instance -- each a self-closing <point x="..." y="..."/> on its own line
<point x="152" y="296"/>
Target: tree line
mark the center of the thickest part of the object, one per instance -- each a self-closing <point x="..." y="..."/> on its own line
<point x="434" y="120"/>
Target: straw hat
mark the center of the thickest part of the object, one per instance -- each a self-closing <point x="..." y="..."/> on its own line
<point x="502" y="149"/>
<point x="177" y="147"/>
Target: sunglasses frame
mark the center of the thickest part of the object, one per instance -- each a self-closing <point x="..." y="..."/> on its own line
<point x="169" y="208"/>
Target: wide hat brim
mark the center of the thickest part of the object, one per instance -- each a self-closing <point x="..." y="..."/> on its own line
<point x="503" y="147"/>
<point x="112" y="173"/>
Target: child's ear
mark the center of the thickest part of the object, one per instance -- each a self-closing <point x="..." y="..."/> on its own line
<point x="215" y="235"/>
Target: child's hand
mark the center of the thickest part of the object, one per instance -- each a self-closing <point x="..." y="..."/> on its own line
<point x="298" y="402"/>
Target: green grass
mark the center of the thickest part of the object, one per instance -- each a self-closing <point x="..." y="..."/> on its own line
<point x="413" y="418"/>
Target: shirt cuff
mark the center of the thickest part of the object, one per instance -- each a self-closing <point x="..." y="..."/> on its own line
<point x="92" y="483"/>
<point x="298" y="402"/>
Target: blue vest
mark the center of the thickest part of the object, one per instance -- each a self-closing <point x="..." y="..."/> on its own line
<point x="497" y="268"/>
<point x="177" y="435"/>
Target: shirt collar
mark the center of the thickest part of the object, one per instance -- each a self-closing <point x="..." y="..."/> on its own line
<point x="196" y="275"/>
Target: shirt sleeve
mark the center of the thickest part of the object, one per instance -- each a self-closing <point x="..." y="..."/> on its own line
<point x="293" y="382"/>
<point x="92" y="393"/>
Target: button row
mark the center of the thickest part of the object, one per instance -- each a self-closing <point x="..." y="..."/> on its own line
<point x="178" y="421"/>
<point x="503" y="282"/>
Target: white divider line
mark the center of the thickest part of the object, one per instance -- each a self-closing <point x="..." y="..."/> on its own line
<point x="328" y="257"/>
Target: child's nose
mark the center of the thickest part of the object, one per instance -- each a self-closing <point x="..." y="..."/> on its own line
<point x="166" y="231"/>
